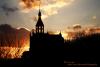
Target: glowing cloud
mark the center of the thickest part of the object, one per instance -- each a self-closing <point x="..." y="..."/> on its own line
<point x="28" y="5"/>
<point x="23" y="28"/>
<point x="77" y="26"/>
<point x="49" y="7"/>
<point x="94" y="17"/>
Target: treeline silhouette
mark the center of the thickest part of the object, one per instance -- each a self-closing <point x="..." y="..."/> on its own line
<point x="83" y="49"/>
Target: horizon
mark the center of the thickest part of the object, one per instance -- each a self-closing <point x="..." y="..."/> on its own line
<point x="69" y="34"/>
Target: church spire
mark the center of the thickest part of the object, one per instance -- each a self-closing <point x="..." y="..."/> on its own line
<point x="39" y="14"/>
<point x="39" y="25"/>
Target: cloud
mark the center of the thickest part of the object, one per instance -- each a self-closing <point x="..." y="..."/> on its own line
<point x="77" y="26"/>
<point x="8" y="9"/>
<point x="28" y="5"/>
<point x="9" y="36"/>
<point x="94" y="17"/>
<point x="49" y="7"/>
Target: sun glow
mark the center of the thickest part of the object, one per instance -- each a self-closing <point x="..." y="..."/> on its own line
<point x="12" y="52"/>
<point x="23" y="28"/>
<point x="64" y="34"/>
<point x="26" y="48"/>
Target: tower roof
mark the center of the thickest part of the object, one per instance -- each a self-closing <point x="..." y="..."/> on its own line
<point x="39" y="22"/>
<point x="39" y="14"/>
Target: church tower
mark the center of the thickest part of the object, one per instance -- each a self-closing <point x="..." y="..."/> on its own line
<point x="39" y="25"/>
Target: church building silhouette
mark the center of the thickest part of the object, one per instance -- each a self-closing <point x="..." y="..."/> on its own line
<point x="45" y="48"/>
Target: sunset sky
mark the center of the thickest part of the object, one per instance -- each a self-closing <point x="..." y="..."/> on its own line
<point x="57" y="14"/>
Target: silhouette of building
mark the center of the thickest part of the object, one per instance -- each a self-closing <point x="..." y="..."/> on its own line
<point x="39" y="25"/>
<point x="44" y="47"/>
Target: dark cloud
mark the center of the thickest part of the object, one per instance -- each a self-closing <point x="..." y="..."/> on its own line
<point x="7" y="9"/>
<point x="11" y="37"/>
<point x="77" y="26"/>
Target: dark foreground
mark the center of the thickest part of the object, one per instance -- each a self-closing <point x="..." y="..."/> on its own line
<point x="82" y="52"/>
<point x="19" y="62"/>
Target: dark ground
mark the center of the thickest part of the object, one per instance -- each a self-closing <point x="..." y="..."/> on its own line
<point x="82" y="52"/>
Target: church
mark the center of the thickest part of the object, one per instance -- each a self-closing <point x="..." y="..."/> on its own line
<point x="44" y="47"/>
